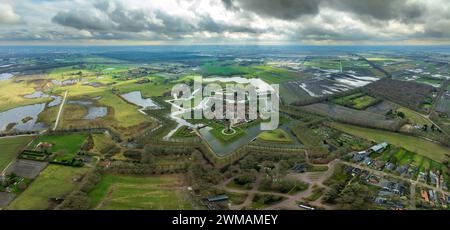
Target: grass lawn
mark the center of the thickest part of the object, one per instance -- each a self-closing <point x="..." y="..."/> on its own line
<point x="66" y="146"/>
<point x="217" y="129"/>
<point x="277" y="135"/>
<point x="54" y="182"/>
<point x="9" y="148"/>
<point x="413" y="144"/>
<point x="119" y="192"/>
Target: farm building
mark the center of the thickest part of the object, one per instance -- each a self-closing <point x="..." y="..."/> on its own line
<point x="379" y="148"/>
<point x="217" y="198"/>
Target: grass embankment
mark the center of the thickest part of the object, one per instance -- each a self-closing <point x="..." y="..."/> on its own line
<point x="277" y="136"/>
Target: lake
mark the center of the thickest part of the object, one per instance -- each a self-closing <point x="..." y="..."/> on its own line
<point x="136" y="98"/>
<point x="17" y="114"/>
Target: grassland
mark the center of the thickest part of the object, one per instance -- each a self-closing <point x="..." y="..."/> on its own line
<point x="413" y="144"/>
<point x="122" y="116"/>
<point x="118" y="192"/>
<point x="66" y="146"/>
<point x="277" y="135"/>
<point x="125" y="114"/>
<point x="9" y="148"/>
<point x="152" y="89"/>
<point x="414" y="117"/>
<point x="102" y="143"/>
<point x="12" y="95"/>
<point x="273" y="75"/>
<point x="54" y="182"/>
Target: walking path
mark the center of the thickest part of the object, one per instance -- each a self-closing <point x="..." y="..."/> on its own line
<point x="60" y="110"/>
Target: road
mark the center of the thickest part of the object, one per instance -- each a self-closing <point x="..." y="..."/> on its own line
<point x="60" y="110"/>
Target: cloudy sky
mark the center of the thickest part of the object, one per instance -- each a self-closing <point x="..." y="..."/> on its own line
<point x="225" y="22"/>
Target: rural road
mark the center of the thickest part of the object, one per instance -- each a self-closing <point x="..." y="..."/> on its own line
<point x="60" y="110"/>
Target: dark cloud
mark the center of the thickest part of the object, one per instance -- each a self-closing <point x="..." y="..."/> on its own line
<point x="293" y="9"/>
<point x="282" y="9"/>
<point x="115" y="18"/>
<point x="379" y="9"/>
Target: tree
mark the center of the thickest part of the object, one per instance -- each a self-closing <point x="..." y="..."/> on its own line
<point x="355" y="197"/>
<point x="401" y="114"/>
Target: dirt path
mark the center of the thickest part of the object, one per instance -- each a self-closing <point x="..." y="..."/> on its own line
<point x="60" y="110"/>
<point x="313" y="178"/>
<point x="251" y="194"/>
<point x="290" y="202"/>
<point x="413" y="196"/>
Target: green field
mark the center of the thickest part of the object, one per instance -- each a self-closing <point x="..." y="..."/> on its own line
<point x="224" y="69"/>
<point x="102" y="143"/>
<point x="277" y="135"/>
<point x="118" y="192"/>
<point x="414" y="117"/>
<point x="413" y="144"/>
<point x="9" y="148"/>
<point x="66" y="146"/>
<point x="54" y="182"/>
<point x="358" y="101"/>
<point x="12" y="95"/>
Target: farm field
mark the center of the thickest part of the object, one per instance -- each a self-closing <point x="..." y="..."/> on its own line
<point x="224" y="69"/>
<point x="54" y="182"/>
<point x="413" y="95"/>
<point x="9" y="149"/>
<point x="357" y="117"/>
<point x="119" y="192"/>
<point x="358" y="101"/>
<point x="65" y="146"/>
<point x="413" y="144"/>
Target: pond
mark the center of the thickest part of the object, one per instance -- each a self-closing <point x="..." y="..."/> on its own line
<point x="95" y="112"/>
<point x="80" y="102"/>
<point x="5" y="76"/>
<point x="136" y="98"/>
<point x="18" y="116"/>
<point x="37" y="94"/>
<point x="56" y="101"/>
